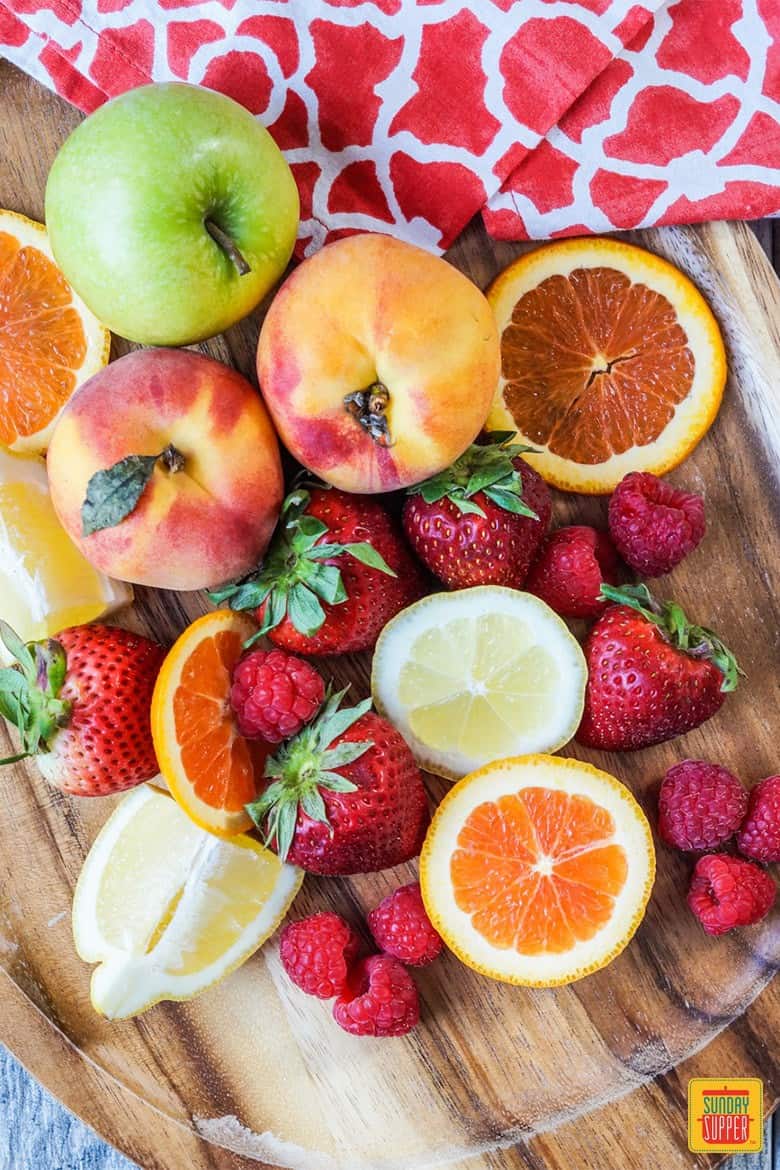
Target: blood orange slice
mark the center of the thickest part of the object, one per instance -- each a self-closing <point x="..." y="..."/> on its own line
<point x="537" y="870"/>
<point x="210" y="769"/>
<point x="611" y="359"/>
<point x="50" y="342"/>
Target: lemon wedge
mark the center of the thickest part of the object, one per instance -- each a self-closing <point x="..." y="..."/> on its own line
<point x="168" y="909"/>
<point x="479" y="674"/>
<point x="45" y="582"/>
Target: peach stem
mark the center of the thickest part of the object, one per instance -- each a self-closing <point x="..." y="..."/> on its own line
<point x="369" y="408"/>
<point x="172" y="459"/>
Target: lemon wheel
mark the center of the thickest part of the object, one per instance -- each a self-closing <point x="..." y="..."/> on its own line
<point x="479" y="674"/>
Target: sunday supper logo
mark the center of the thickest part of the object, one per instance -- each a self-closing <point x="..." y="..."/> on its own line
<point x="725" y="1117"/>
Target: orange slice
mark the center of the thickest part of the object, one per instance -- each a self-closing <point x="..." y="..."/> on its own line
<point x="611" y="361"/>
<point x="537" y="870"/>
<point x="210" y="769"/>
<point x="50" y="342"/>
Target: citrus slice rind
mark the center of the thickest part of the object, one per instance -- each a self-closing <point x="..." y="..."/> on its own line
<point x="29" y="344"/>
<point x="168" y="909"/>
<point x="570" y="361"/>
<point x="470" y="933"/>
<point x="477" y="675"/>
<point x="207" y="765"/>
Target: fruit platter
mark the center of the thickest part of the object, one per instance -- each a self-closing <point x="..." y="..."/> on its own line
<point x="392" y="766"/>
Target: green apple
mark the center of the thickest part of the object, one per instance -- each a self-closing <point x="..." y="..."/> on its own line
<point x="172" y="212"/>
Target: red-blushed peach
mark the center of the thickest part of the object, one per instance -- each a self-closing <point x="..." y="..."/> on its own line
<point x="199" y="525"/>
<point x="378" y="363"/>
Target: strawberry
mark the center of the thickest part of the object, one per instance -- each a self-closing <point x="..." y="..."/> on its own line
<point x="335" y="574"/>
<point x="651" y="674"/>
<point x="345" y="795"/>
<point x="82" y="705"/>
<point x="482" y="520"/>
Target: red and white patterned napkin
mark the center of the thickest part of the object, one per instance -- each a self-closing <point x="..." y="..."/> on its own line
<point x="554" y="117"/>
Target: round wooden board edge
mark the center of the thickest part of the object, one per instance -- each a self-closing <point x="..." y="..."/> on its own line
<point x="147" y="1134"/>
<point x="153" y="1139"/>
<point x="156" y="1141"/>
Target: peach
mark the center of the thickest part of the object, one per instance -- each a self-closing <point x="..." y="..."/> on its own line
<point x="211" y="501"/>
<point x="378" y="363"/>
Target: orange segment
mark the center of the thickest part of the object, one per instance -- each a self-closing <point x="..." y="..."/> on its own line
<point x="49" y="341"/>
<point x="215" y="758"/>
<point x="537" y="870"/>
<point x="602" y="868"/>
<point x="611" y="361"/>
<point x="211" y="770"/>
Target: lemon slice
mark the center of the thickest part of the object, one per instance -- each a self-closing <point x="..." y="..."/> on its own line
<point x="537" y="870"/>
<point x="168" y="909"/>
<point x="479" y="674"/>
<point x="45" y="582"/>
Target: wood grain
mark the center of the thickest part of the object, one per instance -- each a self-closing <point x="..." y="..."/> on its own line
<point x="262" y="1073"/>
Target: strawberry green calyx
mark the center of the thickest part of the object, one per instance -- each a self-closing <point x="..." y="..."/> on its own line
<point x="293" y="578"/>
<point x="488" y="469"/>
<point x="29" y="691"/>
<point x="670" y="618"/>
<point x="302" y="767"/>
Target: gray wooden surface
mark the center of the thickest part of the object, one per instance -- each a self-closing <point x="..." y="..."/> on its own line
<point x="768" y="234"/>
<point x="37" y="1133"/>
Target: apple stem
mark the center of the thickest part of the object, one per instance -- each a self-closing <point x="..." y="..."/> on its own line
<point x="172" y="459"/>
<point x="369" y="408"/>
<point x="228" y="246"/>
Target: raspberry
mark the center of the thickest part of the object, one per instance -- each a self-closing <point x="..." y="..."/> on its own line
<point x="402" y="928"/>
<point x="380" y="999"/>
<point x="274" y="694"/>
<point x="726" y="892"/>
<point x="570" y="569"/>
<point x="700" y="805"/>
<point x="759" y="836"/>
<point x="653" y="525"/>
<point x="317" y="953"/>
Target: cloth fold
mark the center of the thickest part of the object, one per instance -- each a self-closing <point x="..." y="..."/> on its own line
<point x="552" y="117"/>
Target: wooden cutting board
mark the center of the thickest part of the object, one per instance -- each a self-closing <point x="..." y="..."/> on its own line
<point x="253" y="1073"/>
